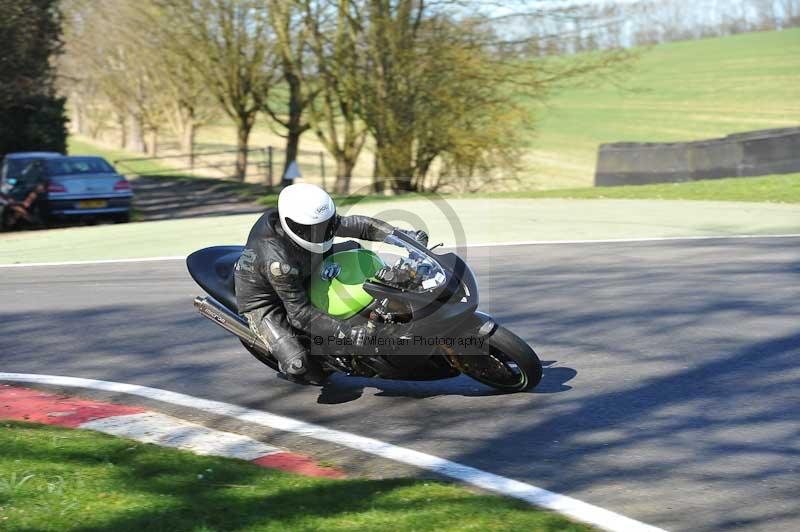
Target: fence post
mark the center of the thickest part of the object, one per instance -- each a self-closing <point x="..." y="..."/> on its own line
<point x="269" y="166"/>
<point x="322" y="168"/>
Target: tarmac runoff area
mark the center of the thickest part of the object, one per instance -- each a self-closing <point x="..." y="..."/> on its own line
<point x="456" y="223"/>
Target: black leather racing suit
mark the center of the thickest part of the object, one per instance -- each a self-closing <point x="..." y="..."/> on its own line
<point x="271" y="278"/>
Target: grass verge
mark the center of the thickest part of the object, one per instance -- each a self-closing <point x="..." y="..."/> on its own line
<point x="156" y="170"/>
<point x="772" y="189"/>
<point x="680" y="91"/>
<point x="767" y="189"/>
<point x="64" y="479"/>
<point x="78" y="146"/>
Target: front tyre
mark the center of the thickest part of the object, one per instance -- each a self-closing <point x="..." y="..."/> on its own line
<point x="509" y="363"/>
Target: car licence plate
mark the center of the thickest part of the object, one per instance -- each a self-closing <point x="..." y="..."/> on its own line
<point x="92" y="204"/>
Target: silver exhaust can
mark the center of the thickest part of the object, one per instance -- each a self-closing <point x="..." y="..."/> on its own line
<point x="213" y="310"/>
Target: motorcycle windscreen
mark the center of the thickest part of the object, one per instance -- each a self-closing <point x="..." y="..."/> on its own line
<point x="343" y="296"/>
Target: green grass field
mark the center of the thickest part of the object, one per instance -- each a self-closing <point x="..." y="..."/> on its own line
<point x="77" y="146"/>
<point x="783" y="188"/>
<point x="676" y="92"/>
<point x="54" y="479"/>
<point x="774" y="189"/>
<point x="771" y="189"/>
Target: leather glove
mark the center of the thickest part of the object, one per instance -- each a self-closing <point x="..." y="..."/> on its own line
<point x="419" y="236"/>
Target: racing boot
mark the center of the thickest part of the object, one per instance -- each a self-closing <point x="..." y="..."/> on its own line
<point x="294" y="362"/>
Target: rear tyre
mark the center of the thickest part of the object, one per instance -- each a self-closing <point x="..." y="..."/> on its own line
<point x="122" y="218"/>
<point x="509" y="363"/>
<point x="264" y="358"/>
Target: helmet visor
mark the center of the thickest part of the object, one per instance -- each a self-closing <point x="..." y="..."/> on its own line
<point x="316" y="233"/>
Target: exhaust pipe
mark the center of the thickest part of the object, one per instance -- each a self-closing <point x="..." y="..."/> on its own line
<point x="213" y="310"/>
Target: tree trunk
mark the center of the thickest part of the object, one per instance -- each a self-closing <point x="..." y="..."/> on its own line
<point x="292" y="145"/>
<point x="378" y="181"/>
<point x="187" y="142"/>
<point x="242" y="141"/>
<point x="78" y="122"/>
<point x="396" y="168"/>
<point x="123" y="131"/>
<point x="344" y="172"/>
<point x="294" y="126"/>
<point x="136" y="138"/>
<point x="152" y="143"/>
<point x="94" y="129"/>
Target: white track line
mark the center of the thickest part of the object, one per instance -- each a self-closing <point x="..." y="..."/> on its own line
<point x="581" y="511"/>
<point x="168" y="431"/>
<point x="623" y="240"/>
<point x="84" y="262"/>
<point x="479" y="245"/>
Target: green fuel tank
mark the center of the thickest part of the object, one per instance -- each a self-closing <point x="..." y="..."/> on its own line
<point x="344" y="296"/>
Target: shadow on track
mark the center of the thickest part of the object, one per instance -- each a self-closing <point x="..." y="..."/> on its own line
<point x="342" y="389"/>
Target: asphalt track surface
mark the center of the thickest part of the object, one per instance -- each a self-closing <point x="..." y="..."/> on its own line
<point x="671" y="391"/>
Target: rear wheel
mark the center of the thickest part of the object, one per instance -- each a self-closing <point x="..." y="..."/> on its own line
<point x="508" y="364"/>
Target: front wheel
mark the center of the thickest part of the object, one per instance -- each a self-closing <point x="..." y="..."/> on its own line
<point x="508" y="364"/>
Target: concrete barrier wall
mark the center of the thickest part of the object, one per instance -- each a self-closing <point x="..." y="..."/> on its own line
<point x="771" y="151"/>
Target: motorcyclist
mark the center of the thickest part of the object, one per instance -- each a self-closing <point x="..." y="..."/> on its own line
<point x="17" y="199"/>
<point x="284" y="247"/>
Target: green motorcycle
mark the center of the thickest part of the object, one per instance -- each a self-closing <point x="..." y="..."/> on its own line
<point x="430" y="298"/>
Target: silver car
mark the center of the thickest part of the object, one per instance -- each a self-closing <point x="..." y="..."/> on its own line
<point x="81" y="186"/>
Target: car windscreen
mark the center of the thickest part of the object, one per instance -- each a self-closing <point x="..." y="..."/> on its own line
<point x="77" y="165"/>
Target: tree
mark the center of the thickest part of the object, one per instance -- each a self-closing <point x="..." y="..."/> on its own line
<point x="132" y="72"/>
<point x="32" y="116"/>
<point x="290" y="48"/>
<point x="436" y="77"/>
<point x="429" y="83"/>
<point x="331" y="29"/>
<point x="467" y="119"/>
<point x="229" y="43"/>
<point x="181" y="97"/>
<point x="185" y="101"/>
<point x="113" y="66"/>
<point x="389" y="85"/>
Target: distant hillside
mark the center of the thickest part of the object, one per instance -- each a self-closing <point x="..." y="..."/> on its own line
<point x="678" y="91"/>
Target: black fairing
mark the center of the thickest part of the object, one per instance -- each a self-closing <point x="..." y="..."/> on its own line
<point x="442" y="309"/>
<point x="212" y="269"/>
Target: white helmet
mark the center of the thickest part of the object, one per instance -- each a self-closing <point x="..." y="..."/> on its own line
<point x="308" y="216"/>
